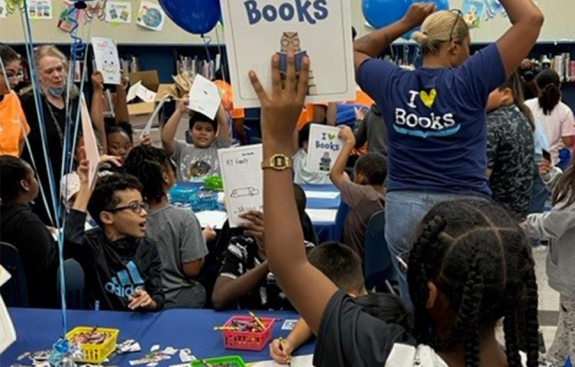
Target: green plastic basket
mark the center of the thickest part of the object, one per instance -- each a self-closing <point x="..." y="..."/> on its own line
<point x="217" y="362"/>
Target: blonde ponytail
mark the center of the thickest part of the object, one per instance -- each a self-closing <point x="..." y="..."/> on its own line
<point x="438" y="28"/>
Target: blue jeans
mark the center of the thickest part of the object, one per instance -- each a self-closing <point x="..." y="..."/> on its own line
<point x="404" y="210"/>
<point x="539" y="194"/>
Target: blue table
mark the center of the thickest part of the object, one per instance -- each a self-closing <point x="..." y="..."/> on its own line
<point x="39" y="329"/>
<point x="325" y="231"/>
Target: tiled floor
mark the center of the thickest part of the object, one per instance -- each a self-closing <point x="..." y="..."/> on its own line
<point x="548" y="299"/>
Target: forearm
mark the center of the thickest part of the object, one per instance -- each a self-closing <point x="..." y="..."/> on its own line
<point x="97" y="114"/>
<point x="337" y="174"/>
<point x="228" y="291"/>
<point x="521" y="10"/>
<point x="223" y="128"/>
<point x="82" y="198"/>
<point x="121" y="107"/>
<point x="169" y="131"/>
<point x="373" y="44"/>
<point x="300" y="334"/>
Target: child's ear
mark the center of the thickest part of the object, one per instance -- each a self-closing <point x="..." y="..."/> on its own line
<point x="106" y="218"/>
<point x="432" y="295"/>
<point x="24" y="185"/>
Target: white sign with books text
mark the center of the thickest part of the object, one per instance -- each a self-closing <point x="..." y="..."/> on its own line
<point x="324" y="146"/>
<point x="320" y="29"/>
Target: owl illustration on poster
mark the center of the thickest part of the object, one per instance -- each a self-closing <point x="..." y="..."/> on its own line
<point x="290" y="41"/>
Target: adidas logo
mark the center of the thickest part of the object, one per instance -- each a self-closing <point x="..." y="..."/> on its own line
<point x="126" y="282"/>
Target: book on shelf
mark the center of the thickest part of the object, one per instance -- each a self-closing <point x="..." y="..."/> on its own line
<point x="563" y="65"/>
<point x="194" y="65"/>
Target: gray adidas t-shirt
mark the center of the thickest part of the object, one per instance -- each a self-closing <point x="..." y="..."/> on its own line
<point x="195" y="164"/>
<point x="178" y="235"/>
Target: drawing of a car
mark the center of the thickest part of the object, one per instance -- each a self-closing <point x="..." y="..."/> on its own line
<point x="244" y="191"/>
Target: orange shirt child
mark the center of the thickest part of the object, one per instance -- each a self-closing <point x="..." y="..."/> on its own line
<point x="13" y="125"/>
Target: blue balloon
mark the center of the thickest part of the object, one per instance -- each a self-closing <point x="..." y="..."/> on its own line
<point x="381" y="13"/>
<point x="194" y="16"/>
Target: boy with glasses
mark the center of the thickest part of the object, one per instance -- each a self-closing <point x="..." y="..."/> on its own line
<point x="122" y="266"/>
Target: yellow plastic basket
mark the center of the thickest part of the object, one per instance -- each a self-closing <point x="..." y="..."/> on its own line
<point x="96" y="353"/>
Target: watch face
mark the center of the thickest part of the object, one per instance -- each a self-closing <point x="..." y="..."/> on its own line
<point x="279" y="161"/>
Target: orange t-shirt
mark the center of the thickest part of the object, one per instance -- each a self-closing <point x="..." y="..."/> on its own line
<point x="227" y="94"/>
<point x="307" y="114"/>
<point x="363" y="99"/>
<point x="13" y="125"/>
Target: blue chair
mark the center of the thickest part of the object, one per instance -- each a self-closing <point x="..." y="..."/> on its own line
<point x="340" y="221"/>
<point x="378" y="268"/>
<point x="75" y="295"/>
<point x="14" y="291"/>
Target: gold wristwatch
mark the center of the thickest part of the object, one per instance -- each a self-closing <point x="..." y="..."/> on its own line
<point x="278" y="162"/>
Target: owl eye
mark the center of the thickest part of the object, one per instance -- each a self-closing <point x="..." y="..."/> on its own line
<point x="285" y="43"/>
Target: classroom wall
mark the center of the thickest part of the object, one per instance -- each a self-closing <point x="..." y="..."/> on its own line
<point x="46" y="31"/>
<point x="558" y="27"/>
<point x="559" y="24"/>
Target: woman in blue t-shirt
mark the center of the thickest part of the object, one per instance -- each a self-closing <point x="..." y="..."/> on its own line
<point x="435" y="115"/>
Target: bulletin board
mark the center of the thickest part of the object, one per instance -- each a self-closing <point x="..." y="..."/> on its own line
<point x="559" y="25"/>
<point x="46" y="31"/>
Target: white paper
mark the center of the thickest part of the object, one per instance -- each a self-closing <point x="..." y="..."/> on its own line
<point x="288" y="325"/>
<point x="212" y="218"/>
<point x="138" y="90"/>
<point x="90" y="143"/>
<point x="151" y="16"/>
<point x="133" y="91"/>
<point x="148" y="128"/>
<point x="40" y="9"/>
<point x="322" y="216"/>
<point x="321" y="31"/>
<point x="7" y="331"/>
<point x="324" y="148"/>
<point x="4" y="276"/>
<point x="243" y="180"/>
<point x="300" y="361"/>
<point x="119" y="12"/>
<point x="205" y="97"/>
<point x="107" y="60"/>
<point x="322" y="195"/>
<point x="3" y="9"/>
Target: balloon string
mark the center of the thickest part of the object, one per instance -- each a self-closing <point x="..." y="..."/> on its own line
<point x="39" y="111"/>
<point x="221" y="56"/>
<point x="207" y="41"/>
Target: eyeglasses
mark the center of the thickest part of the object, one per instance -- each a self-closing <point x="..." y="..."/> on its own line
<point x="459" y="16"/>
<point x="136" y="208"/>
<point x="13" y="76"/>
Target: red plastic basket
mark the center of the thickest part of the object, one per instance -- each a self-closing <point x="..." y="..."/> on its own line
<point x="244" y="340"/>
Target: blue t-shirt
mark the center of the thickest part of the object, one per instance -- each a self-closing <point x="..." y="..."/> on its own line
<point x="436" y="121"/>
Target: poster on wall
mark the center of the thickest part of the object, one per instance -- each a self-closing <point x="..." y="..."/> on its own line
<point x="473" y="12"/>
<point x="3" y="9"/>
<point x="321" y="31"/>
<point x="107" y="60"/>
<point x="119" y="12"/>
<point x="151" y="16"/>
<point x="40" y="9"/>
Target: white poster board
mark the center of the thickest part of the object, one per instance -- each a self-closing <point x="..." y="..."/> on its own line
<point x="90" y="143"/>
<point x="107" y="60"/>
<point x="323" y="149"/>
<point x="257" y="29"/>
<point x="243" y="180"/>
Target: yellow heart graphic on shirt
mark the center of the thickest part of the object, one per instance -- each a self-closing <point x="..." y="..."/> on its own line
<point x="428" y="98"/>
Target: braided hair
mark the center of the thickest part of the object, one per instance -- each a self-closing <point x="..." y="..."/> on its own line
<point x="477" y="256"/>
<point x="148" y="164"/>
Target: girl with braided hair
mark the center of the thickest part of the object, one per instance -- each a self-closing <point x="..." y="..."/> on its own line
<point x="470" y="266"/>
<point x="558" y="226"/>
<point x="176" y="231"/>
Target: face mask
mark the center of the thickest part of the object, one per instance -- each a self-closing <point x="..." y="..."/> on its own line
<point x="57" y="92"/>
